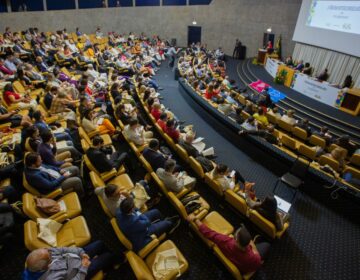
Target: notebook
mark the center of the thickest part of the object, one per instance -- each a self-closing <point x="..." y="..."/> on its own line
<point x="282" y="205"/>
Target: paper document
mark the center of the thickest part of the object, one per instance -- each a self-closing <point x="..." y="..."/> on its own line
<point x="197" y="140"/>
<point x="61" y="145"/>
<point x="282" y="204"/>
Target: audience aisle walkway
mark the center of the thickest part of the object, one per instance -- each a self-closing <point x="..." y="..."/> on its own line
<point x="322" y="242"/>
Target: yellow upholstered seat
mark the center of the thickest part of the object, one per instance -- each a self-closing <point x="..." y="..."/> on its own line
<point x="265" y="225"/>
<point x="307" y="151"/>
<point x="213" y="184"/>
<point x="199" y="213"/>
<point x="74" y="232"/>
<point x="182" y="153"/>
<point x="88" y="136"/>
<point x="34" y="191"/>
<point x="300" y="133"/>
<point x="106" y="176"/>
<point x="143" y="269"/>
<point x="126" y="242"/>
<point x="289" y="142"/>
<point x="196" y="167"/>
<point x="334" y="164"/>
<point x="285" y="125"/>
<point x="317" y="141"/>
<point x="355" y="160"/>
<point x="237" y="201"/>
<point x="70" y="200"/>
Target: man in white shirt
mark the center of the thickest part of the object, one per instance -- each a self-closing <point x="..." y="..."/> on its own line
<point x="136" y="133"/>
<point x="289" y="117"/>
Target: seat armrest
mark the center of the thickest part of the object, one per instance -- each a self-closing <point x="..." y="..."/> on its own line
<point x="106" y="176"/>
<point x="51" y="119"/>
<point x="183" y="192"/>
<point x="54" y="193"/>
<point x="201" y="215"/>
<point x="148" y="248"/>
<point x="60" y="216"/>
<point x="91" y="134"/>
<point x="281" y="232"/>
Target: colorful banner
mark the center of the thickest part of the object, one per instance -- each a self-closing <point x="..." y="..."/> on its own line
<point x="275" y="95"/>
<point x="259" y="85"/>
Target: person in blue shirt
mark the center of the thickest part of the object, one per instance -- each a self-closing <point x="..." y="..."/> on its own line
<point x="138" y="227"/>
<point x="46" y="178"/>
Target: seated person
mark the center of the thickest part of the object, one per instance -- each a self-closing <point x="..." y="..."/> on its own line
<point x="338" y="154"/>
<point x="307" y="69"/>
<point x="289" y="117"/>
<point x="136" y="133"/>
<point x="12" y="117"/>
<point x="260" y="116"/>
<point x="221" y="174"/>
<point x="250" y="196"/>
<point x="268" y="209"/>
<point x="324" y="133"/>
<point x="240" y="249"/>
<point x="154" y="156"/>
<point x="68" y="262"/>
<point x="300" y="66"/>
<point x="156" y="111"/>
<point x="162" y="121"/>
<point x="43" y="127"/>
<point x="324" y="75"/>
<point x="210" y="92"/>
<point x="250" y="124"/>
<point x="344" y="142"/>
<point x="237" y="116"/>
<point x="172" y="131"/>
<point x="304" y="124"/>
<point x="267" y="134"/>
<point x="47" y="178"/>
<point x="223" y="107"/>
<point x="22" y="101"/>
<point x="48" y="152"/>
<point x="348" y="82"/>
<point x="173" y="181"/>
<point x="275" y="112"/>
<point x="104" y="159"/>
<point x="112" y="196"/>
<point x="138" y="227"/>
<point x="60" y="105"/>
<point x="90" y="122"/>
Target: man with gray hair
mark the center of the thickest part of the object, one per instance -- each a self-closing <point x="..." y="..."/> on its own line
<point x="68" y="263"/>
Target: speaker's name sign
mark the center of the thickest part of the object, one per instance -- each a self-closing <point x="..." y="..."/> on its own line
<point x="271" y="66"/>
<point x="321" y="91"/>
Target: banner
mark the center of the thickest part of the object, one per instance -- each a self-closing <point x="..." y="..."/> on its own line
<point x="259" y="85"/>
<point x="321" y="91"/>
<point x="271" y="66"/>
<point x="275" y="95"/>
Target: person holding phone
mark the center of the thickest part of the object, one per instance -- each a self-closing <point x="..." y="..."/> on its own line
<point x="227" y="179"/>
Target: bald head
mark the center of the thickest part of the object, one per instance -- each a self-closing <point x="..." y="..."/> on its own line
<point x="38" y="260"/>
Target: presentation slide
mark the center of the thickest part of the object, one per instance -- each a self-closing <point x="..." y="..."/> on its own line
<point x="341" y="16"/>
<point x="333" y="25"/>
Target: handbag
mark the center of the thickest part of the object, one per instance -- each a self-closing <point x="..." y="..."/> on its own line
<point x="189" y="198"/>
<point x="47" y="205"/>
<point x="140" y="195"/>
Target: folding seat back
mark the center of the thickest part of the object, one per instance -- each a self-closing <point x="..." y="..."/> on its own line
<point x="213" y="184"/>
<point x="299" y="133"/>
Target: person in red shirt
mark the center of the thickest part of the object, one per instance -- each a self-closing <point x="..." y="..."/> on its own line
<point x="240" y="249"/>
<point x="172" y="131"/>
<point x="156" y="111"/>
<point x="210" y="93"/>
<point x="162" y="121"/>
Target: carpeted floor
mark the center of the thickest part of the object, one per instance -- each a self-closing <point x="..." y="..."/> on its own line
<point x="321" y="243"/>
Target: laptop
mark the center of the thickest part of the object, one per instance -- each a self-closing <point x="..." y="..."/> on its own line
<point x="282" y="205"/>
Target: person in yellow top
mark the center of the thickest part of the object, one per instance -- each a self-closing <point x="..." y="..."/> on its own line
<point x="80" y="45"/>
<point x="260" y="116"/>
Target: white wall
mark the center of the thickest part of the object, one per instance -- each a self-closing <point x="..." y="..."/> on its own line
<point x="222" y="21"/>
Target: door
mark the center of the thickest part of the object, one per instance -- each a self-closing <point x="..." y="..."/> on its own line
<point x="194" y="34"/>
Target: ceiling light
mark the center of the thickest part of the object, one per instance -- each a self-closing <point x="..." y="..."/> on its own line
<point x="194" y="22"/>
<point x="269" y="30"/>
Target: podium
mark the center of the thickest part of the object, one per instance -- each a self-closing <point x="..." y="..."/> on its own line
<point x="351" y="102"/>
<point x="261" y="56"/>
